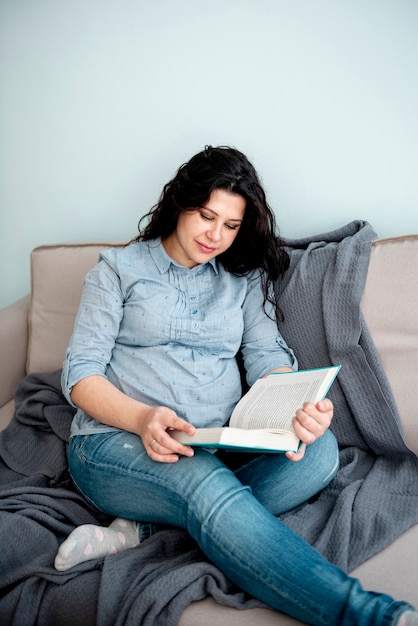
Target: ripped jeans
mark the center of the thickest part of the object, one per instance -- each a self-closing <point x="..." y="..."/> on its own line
<point x="231" y="514"/>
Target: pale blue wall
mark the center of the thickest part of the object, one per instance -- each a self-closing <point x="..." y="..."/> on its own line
<point x="102" y="100"/>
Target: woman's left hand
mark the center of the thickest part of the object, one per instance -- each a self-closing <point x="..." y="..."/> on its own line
<point x="310" y="423"/>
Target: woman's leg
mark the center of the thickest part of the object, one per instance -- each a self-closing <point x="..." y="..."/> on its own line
<point x="280" y="484"/>
<point x="247" y="542"/>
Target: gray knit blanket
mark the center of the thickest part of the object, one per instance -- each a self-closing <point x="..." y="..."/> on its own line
<point x="372" y="500"/>
<point x="150" y="585"/>
<point x="374" y="497"/>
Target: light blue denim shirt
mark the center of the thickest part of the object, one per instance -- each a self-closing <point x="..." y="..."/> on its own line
<point x="168" y="335"/>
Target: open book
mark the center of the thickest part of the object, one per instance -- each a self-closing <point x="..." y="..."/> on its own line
<point x="262" y="419"/>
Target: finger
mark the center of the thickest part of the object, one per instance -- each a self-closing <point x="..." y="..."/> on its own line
<point x="164" y="458"/>
<point x="168" y="446"/>
<point x="159" y="453"/>
<point x="180" y="424"/>
<point x="321" y="412"/>
<point x="313" y="419"/>
<point x="296" y="456"/>
<point x="172" y="444"/>
<point x="325" y="405"/>
<point x="159" y="448"/>
<point x="308" y="431"/>
<point x="156" y="437"/>
<point x="176" y="447"/>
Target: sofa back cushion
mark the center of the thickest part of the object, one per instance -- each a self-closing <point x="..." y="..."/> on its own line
<point x="57" y="274"/>
<point x="390" y="308"/>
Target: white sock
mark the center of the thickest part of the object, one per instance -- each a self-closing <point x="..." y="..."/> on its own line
<point x="89" y="542"/>
<point x="409" y="618"/>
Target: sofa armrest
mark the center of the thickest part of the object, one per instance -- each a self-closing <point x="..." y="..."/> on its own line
<point x="13" y="347"/>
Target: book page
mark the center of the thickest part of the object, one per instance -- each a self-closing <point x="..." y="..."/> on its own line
<point x="266" y="440"/>
<point x="267" y="410"/>
<point x="273" y="401"/>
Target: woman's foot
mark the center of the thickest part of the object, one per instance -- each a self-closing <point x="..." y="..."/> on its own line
<point x="409" y="618"/>
<point x="89" y="542"/>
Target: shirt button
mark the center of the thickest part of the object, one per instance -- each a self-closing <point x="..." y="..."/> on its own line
<point x="195" y="311"/>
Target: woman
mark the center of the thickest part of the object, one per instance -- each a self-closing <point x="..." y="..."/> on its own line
<point x="154" y="348"/>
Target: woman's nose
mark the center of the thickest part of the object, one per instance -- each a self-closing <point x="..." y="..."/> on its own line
<point x="214" y="232"/>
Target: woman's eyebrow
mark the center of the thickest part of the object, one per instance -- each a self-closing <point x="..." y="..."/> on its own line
<point x="232" y="219"/>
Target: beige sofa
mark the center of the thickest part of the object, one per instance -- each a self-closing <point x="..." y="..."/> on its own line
<point x="34" y="333"/>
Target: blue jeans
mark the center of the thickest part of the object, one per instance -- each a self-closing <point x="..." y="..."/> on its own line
<point x="232" y="516"/>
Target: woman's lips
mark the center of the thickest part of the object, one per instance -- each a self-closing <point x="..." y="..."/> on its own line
<point x="204" y="248"/>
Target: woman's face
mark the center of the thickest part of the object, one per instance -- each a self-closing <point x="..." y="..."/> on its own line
<point x="204" y="233"/>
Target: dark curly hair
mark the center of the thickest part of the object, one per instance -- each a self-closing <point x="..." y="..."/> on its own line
<point x="256" y="244"/>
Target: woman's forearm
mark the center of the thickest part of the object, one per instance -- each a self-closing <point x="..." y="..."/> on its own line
<point x="280" y="369"/>
<point x="100" y="399"/>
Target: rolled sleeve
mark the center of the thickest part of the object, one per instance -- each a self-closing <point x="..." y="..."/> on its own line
<point x="263" y="347"/>
<point x="96" y="327"/>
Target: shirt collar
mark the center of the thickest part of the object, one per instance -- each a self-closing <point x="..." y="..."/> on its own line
<point x="163" y="261"/>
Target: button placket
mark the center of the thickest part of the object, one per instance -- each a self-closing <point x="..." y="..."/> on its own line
<point x="193" y="301"/>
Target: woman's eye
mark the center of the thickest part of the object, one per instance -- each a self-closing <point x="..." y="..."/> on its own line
<point x="210" y="218"/>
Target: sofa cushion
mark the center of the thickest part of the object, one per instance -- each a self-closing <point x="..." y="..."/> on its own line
<point x="57" y="273"/>
<point x="390" y="308"/>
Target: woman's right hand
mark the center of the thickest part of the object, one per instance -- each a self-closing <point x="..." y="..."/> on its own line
<point x="102" y="400"/>
<point x="153" y="430"/>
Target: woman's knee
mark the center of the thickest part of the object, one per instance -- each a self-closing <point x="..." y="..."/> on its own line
<point x="323" y="455"/>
